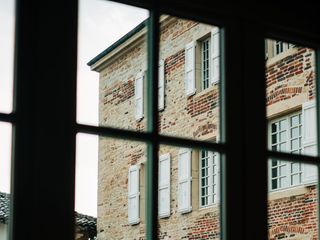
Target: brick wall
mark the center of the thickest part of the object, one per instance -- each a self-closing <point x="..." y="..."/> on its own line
<point x="290" y="81"/>
<point x="294" y="216"/>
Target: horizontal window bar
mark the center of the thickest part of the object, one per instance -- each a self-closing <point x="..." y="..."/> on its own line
<point x="7" y="117"/>
<point x="293" y="157"/>
<point x="148" y="137"/>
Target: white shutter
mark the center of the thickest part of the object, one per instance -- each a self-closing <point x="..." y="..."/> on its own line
<point x="215" y="55"/>
<point x="216" y="172"/>
<point x="190" y="73"/>
<point x="133" y="195"/>
<point x="309" y="140"/>
<point x="138" y="87"/>
<point x="164" y="185"/>
<point x="184" y="181"/>
<point x="161" y="85"/>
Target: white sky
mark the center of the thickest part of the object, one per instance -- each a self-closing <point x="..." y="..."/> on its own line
<point x="101" y="23"/>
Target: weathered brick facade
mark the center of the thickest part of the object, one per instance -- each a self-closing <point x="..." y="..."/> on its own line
<point x="290" y="82"/>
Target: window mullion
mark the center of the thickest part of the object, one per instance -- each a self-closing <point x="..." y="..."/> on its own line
<point x="254" y="87"/>
<point x="152" y="165"/>
<point x="239" y="166"/>
<point x="317" y="79"/>
<point x="43" y="169"/>
<point x="231" y="122"/>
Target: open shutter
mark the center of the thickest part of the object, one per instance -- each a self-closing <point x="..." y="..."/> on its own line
<point x="309" y="139"/>
<point x="161" y="85"/>
<point x="184" y="181"/>
<point x="133" y="195"/>
<point x="215" y="55"/>
<point x="138" y="87"/>
<point x="164" y="185"/>
<point x="216" y="176"/>
<point x="190" y="73"/>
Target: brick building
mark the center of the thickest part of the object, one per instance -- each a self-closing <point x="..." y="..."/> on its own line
<point x="189" y="76"/>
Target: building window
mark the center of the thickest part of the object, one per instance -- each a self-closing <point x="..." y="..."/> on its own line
<point x="205" y="63"/>
<point x="278" y="47"/>
<point x="286" y="135"/>
<point x="209" y="176"/>
<point x="205" y="53"/>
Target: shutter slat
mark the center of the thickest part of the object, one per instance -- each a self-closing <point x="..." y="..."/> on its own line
<point x="190" y="84"/>
<point x="184" y="181"/>
<point x="215" y="55"/>
<point x="164" y="185"/>
<point x="309" y="172"/>
<point x="133" y="195"/>
<point x="216" y="160"/>
<point x="161" y="85"/>
<point x="139" y="95"/>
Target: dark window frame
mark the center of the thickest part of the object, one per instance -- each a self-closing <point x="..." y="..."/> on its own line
<point x="43" y="204"/>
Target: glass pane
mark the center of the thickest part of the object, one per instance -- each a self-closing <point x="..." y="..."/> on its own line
<point x="283" y="136"/>
<point x="195" y="196"/>
<point x="291" y="92"/>
<point x="112" y="57"/>
<point x="7" y="22"/>
<point x="283" y="170"/>
<point x="110" y="187"/>
<point x="274" y="183"/>
<point x="294" y="144"/>
<point x="295" y="167"/>
<point x="283" y="125"/>
<point x="86" y="186"/>
<point x="295" y="132"/>
<point x="5" y="170"/>
<point x="190" y="53"/>
<point x="295" y="179"/>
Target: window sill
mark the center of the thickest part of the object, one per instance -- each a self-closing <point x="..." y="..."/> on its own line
<point x="214" y="206"/>
<point x="280" y="56"/>
<point x="289" y="192"/>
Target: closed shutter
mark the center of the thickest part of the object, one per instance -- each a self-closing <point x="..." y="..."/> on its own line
<point x="161" y="85"/>
<point x="309" y="139"/>
<point x="190" y="73"/>
<point x="133" y="195"/>
<point x="184" y="181"/>
<point x="215" y="55"/>
<point x="164" y="185"/>
<point x="139" y="95"/>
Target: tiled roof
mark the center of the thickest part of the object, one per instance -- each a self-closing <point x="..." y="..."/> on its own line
<point x="87" y="224"/>
<point x="4" y="207"/>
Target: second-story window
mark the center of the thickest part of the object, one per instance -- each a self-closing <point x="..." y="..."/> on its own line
<point x="209" y="177"/>
<point x="205" y="63"/>
<point x="278" y="47"/>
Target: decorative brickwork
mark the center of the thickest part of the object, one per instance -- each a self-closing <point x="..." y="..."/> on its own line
<point x="294" y="215"/>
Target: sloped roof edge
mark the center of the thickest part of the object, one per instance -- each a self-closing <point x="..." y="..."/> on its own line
<point x="118" y="43"/>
